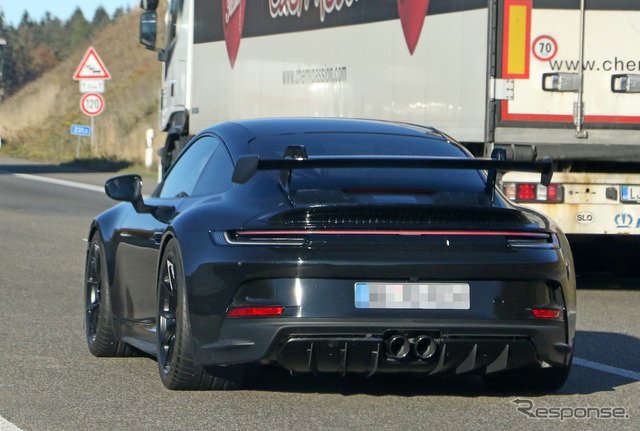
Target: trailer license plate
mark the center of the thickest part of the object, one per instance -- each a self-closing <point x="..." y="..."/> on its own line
<point x="630" y="194"/>
<point x="425" y="296"/>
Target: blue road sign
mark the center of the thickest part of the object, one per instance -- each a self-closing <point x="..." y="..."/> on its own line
<point x="80" y="130"/>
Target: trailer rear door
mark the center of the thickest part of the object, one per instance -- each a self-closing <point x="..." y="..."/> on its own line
<point x="543" y="45"/>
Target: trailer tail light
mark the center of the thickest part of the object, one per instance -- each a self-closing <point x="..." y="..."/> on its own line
<point x="526" y="192"/>
<point x="547" y="313"/>
<point x="552" y="192"/>
<point x="533" y="192"/>
<point x="255" y="311"/>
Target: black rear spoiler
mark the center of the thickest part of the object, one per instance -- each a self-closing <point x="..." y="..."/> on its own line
<point x="296" y="158"/>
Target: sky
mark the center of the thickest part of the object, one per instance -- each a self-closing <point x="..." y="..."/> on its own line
<point x="63" y="9"/>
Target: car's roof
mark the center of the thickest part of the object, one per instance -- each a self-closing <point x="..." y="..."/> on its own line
<point x="278" y="126"/>
<point x="238" y="133"/>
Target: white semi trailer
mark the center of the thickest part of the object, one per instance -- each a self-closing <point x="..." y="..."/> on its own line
<point x="540" y="78"/>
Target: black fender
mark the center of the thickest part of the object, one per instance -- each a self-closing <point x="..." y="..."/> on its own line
<point x="107" y="225"/>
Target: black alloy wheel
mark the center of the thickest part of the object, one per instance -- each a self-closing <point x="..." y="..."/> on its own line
<point x="176" y="364"/>
<point x="98" y="321"/>
<point x="93" y="291"/>
<point x="167" y="307"/>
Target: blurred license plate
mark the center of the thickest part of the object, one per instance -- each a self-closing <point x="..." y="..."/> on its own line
<point x="425" y="296"/>
<point x="630" y="194"/>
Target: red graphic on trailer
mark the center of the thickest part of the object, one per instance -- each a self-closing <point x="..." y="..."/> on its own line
<point x="91" y="67"/>
<point x="232" y="23"/>
<point x="412" y="14"/>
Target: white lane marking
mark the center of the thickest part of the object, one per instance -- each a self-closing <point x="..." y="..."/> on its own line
<point x="5" y="425"/>
<point x="634" y="375"/>
<point x="99" y="189"/>
<point x="56" y="181"/>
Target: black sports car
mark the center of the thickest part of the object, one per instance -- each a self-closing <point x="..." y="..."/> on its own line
<point x="331" y="245"/>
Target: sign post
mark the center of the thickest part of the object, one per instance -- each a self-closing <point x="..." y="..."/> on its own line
<point x="92" y="104"/>
<point x="91" y="73"/>
<point x="80" y="131"/>
<point x="3" y="42"/>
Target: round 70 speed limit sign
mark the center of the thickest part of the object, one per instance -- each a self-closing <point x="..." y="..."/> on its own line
<point x="92" y="104"/>
<point x="544" y="48"/>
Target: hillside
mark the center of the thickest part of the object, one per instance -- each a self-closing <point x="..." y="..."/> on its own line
<point x="35" y="122"/>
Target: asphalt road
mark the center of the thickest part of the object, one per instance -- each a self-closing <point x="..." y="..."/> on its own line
<point x="50" y="381"/>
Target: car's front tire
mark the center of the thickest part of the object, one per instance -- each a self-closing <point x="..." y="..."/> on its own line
<point x="176" y="365"/>
<point x="98" y="324"/>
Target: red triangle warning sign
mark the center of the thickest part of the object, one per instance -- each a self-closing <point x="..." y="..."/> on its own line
<point x="91" y="67"/>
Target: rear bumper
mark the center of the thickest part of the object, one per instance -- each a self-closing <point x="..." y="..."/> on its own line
<point x="321" y="319"/>
<point x="342" y="346"/>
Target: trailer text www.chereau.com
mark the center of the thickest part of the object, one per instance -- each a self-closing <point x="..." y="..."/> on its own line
<point x="611" y="65"/>
<point x="317" y="75"/>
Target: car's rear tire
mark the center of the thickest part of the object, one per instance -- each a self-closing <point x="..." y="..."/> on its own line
<point x="101" y="337"/>
<point x="528" y="379"/>
<point x="178" y="370"/>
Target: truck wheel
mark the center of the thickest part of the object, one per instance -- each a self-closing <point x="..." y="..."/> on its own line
<point x="176" y="365"/>
<point x="172" y="149"/>
<point x="169" y="155"/>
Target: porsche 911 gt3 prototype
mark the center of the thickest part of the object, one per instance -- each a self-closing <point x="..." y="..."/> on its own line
<point x="331" y="246"/>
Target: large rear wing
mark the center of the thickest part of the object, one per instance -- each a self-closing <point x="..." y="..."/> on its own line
<point x="296" y="158"/>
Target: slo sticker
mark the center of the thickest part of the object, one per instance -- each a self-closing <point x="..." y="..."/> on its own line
<point x="584" y="217"/>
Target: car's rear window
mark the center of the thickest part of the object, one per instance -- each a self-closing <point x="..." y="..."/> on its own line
<point x="373" y="185"/>
<point x="352" y="144"/>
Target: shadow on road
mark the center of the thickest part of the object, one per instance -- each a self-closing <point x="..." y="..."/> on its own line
<point x="597" y="257"/>
<point x="599" y="280"/>
<point x="77" y="166"/>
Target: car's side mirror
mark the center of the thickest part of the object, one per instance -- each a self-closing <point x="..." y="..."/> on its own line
<point x="127" y="188"/>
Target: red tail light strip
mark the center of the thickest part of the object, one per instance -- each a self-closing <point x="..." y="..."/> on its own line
<point x="544" y="313"/>
<point x="391" y="232"/>
<point x="255" y="311"/>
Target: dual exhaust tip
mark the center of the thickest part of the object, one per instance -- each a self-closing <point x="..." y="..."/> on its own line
<point x="421" y="347"/>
